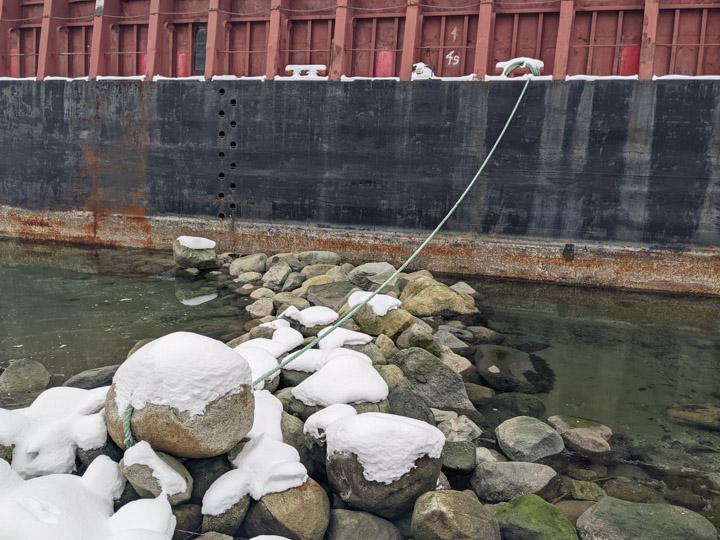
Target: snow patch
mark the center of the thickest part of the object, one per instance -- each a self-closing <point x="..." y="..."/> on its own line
<point x="182" y="370"/>
<point x="193" y="78"/>
<point x="47" y="434"/>
<point x="318" y="423"/>
<point x="342" y="336"/>
<point x="69" y="507"/>
<point x="380" y="304"/>
<point x="277" y="323"/>
<point x="268" y="415"/>
<point x="344" y="379"/>
<point x="312" y="316"/>
<point x="601" y="78"/>
<point x="264" y="466"/>
<point x="345" y="78"/>
<point x="260" y="361"/>
<point x="196" y="242"/>
<point x="117" y="78"/>
<point x="494" y="369"/>
<point x="202" y="299"/>
<point x="289" y="337"/>
<point x="684" y="77"/>
<point x="386" y="445"/>
<point x="314" y="359"/>
<point x="170" y="481"/>
<point x="526" y="62"/>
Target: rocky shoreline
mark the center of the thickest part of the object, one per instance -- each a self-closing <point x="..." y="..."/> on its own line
<point x="503" y="469"/>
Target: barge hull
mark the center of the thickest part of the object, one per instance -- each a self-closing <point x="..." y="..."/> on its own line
<point x="609" y="183"/>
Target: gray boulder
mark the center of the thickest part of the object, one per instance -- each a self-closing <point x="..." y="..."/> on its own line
<point x="613" y="519"/>
<point x="249" y="263"/>
<point x="346" y="478"/>
<point x="405" y="402"/>
<point x="93" y="378"/>
<point x="229" y="521"/>
<point x="261" y="308"/>
<point x="146" y="485"/>
<point x="369" y="274"/>
<point x="24" y="376"/>
<point x="318" y="257"/>
<point x="455" y="344"/>
<point x="202" y="259"/>
<point x="293" y="281"/>
<point x="584" y="436"/>
<point x="528" y="516"/>
<point x="354" y="525"/>
<point x="459" y="456"/>
<point x="276" y="275"/>
<point x="432" y="380"/>
<point x="283" y="300"/>
<point x="452" y="515"/>
<point x="511" y="370"/>
<point x="459" y="429"/>
<point x="494" y="481"/>
<point x="331" y="295"/>
<point x="524" y="438"/>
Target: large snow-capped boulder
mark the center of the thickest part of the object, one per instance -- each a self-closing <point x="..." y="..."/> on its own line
<point x="381" y="462"/>
<point x="69" y="507"/>
<point x="44" y="437"/>
<point x="191" y="394"/>
<point x="195" y="252"/>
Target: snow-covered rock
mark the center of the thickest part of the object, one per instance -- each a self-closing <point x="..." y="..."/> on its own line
<point x="268" y="414"/>
<point x="47" y="434"/>
<point x="260" y="362"/>
<point x="345" y="379"/>
<point x="313" y="360"/>
<point x="317" y="424"/>
<point x="382" y="462"/>
<point x="342" y="336"/>
<point x="264" y="466"/>
<point x="195" y="252"/>
<point x="183" y="388"/>
<point x="312" y="316"/>
<point x="152" y="474"/>
<point x="69" y="507"/>
<point x="380" y="304"/>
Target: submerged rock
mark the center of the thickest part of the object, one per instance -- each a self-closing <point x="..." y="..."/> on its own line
<point x="584" y="436"/>
<point x="511" y="370"/>
<point x="613" y="519"/>
<point x="701" y="416"/>
<point x="24" y="376"/>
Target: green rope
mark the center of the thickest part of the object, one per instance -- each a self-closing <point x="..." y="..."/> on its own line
<point x="521" y="63"/>
<point x="129" y="439"/>
<point x="417" y="251"/>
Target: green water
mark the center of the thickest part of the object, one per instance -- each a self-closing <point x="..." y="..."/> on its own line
<point x="619" y="358"/>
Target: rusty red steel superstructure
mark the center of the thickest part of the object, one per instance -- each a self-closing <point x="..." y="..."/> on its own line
<point x="360" y="38"/>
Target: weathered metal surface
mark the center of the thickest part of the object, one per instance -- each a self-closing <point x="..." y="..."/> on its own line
<point x="626" y="172"/>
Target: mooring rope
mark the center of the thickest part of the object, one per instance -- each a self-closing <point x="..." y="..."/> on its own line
<point x="130" y="441"/>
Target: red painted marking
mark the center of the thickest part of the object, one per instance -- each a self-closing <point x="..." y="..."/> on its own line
<point x="630" y="61"/>
<point x="143" y="64"/>
<point x="385" y="64"/>
<point x="14" y="63"/>
<point x="183" y="65"/>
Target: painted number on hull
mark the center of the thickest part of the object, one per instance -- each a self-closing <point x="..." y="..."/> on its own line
<point x="453" y="59"/>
